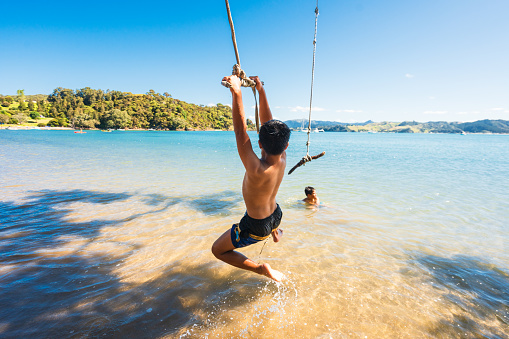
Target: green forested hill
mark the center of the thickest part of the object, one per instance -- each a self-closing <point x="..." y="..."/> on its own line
<point x="91" y="108"/>
<point x="485" y="126"/>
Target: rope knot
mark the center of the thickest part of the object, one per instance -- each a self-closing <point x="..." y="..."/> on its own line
<point x="244" y="80"/>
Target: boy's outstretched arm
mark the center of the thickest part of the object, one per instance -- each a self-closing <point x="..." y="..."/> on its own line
<point x="265" y="113"/>
<point x="244" y="147"/>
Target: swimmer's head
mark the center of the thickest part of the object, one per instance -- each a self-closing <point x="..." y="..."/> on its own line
<point x="309" y="190"/>
<point x="274" y="136"/>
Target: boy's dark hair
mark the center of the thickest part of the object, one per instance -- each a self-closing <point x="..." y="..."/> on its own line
<point x="309" y="190"/>
<point x="274" y="136"/>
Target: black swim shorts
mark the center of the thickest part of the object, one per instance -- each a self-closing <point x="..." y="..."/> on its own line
<point x="250" y="230"/>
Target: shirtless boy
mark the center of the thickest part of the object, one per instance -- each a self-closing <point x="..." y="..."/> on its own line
<point x="260" y="186"/>
<point x="311" y="196"/>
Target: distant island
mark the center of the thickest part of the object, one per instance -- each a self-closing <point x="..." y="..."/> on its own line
<point x="481" y="126"/>
<point x="89" y="108"/>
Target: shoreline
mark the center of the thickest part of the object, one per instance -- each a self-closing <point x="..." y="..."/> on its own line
<point x="20" y="127"/>
<point x="30" y="128"/>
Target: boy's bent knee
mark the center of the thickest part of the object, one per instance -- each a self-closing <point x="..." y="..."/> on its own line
<point x="222" y="245"/>
<point x="217" y="250"/>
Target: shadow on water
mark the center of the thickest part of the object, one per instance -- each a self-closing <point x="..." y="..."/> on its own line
<point x="40" y="221"/>
<point x="479" y="289"/>
<point x="220" y="203"/>
<point x="71" y="294"/>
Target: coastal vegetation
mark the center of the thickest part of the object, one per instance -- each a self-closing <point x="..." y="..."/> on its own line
<point x="90" y="108"/>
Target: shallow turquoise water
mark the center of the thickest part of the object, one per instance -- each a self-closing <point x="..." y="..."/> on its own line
<point x="110" y="233"/>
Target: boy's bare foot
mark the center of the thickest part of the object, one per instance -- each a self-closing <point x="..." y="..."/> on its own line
<point x="267" y="271"/>
<point x="277" y="235"/>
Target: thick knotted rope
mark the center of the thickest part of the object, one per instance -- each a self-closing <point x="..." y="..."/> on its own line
<point x="238" y="71"/>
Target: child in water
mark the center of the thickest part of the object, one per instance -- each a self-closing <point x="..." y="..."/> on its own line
<point x="311" y="199"/>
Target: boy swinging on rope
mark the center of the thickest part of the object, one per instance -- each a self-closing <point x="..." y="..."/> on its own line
<point x="260" y="186"/>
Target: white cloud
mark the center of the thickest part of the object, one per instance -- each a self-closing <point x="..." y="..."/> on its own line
<point x="348" y="111"/>
<point x="435" y="112"/>
<point x="409" y="76"/>
<point x="497" y="109"/>
<point x="464" y="113"/>
<point x="211" y="105"/>
<point x="305" y="109"/>
<point x="298" y="109"/>
<point x="432" y="98"/>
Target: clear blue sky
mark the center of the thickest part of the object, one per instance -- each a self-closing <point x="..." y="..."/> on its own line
<point x="393" y="60"/>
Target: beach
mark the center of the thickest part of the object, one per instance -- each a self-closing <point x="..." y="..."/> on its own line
<point x="109" y="235"/>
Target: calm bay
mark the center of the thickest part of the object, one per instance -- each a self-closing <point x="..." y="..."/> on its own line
<point x="109" y="234"/>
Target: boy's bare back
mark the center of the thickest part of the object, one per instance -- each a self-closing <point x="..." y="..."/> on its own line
<point x="260" y="187"/>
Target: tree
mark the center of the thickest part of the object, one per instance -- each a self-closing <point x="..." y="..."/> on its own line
<point x="21" y="98"/>
<point x="53" y="123"/>
<point x="58" y="122"/>
<point x="83" y="120"/>
<point x="21" y="118"/>
<point x="4" y="118"/>
<point x="116" y="119"/>
<point x="31" y="106"/>
<point x="60" y="94"/>
<point x="41" y="107"/>
<point x="22" y="106"/>
<point x="177" y="123"/>
<point x="53" y="112"/>
<point x="21" y="94"/>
